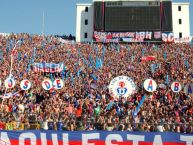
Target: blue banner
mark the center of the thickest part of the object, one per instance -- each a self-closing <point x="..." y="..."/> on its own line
<point x="93" y="138"/>
<point x="48" y="67"/>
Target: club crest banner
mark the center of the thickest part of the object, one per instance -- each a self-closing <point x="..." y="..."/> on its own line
<point x="122" y="86"/>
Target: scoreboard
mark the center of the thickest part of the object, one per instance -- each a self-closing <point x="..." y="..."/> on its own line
<point x="132" y="16"/>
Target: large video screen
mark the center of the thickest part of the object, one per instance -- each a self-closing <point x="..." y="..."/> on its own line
<point x="132" y="18"/>
<point x="126" y="16"/>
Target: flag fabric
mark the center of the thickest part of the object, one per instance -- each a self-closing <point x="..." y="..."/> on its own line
<point x="167" y="80"/>
<point x="10" y="44"/>
<point x="7" y="46"/>
<point x="1" y="55"/>
<point x="51" y="77"/>
<point x="67" y="74"/>
<point x="138" y="107"/>
<point x="165" y="55"/>
<point x="153" y="68"/>
<point x="148" y="58"/>
<point x="143" y="51"/>
<point x="91" y="60"/>
<point x="19" y="56"/>
<point x="99" y="63"/>
<point x="186" y="63"/>
<point x="103" y="52"/>
<point x="94" y="77"/>
<point x="79" y="71"/>
<point x="63" y="73"/>
<point x="111" y="103"/>
<point x="28" y="67"/>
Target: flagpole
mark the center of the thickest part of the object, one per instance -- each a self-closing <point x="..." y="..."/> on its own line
<point x="12" y="58"/>
<point x="43" y="24"/>
<point x="10" y="68"/>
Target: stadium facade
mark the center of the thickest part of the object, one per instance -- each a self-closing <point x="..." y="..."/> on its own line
<point x="133" y="21"/>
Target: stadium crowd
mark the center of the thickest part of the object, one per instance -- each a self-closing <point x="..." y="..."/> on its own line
<point x="84" y="103"/>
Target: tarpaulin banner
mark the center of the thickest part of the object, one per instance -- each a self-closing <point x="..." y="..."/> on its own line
<point x="93" y="138"/>
<point x="132" y="36"/>
<point x="183" y="40"/>
<point x="48" y="67"/>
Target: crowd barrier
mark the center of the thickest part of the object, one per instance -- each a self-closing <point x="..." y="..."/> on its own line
<point x="19" y="126"/>
<point x="55" y="125"/>
<point x="34" y="137"/>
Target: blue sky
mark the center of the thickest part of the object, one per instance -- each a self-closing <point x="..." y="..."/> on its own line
<point x="60" y="16"/>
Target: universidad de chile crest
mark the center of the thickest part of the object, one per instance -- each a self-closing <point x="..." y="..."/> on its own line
<point x="122" y="86"/>
<point x="121" y="90"/>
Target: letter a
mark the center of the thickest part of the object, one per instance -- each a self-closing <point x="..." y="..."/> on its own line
<point x="150" y="86"/>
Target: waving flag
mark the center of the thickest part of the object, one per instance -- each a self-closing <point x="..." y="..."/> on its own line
<point x="154" y="67"/>
<point x="138" y="107"/>
<point x="165" y="55"/>
<point x="51" y="77"/>
<point x="19" y="56"/>
<point x="7" y="46"/>
<point x="28" y="67"/>
<point x="103" y="52"/>
<point x="186" y="63"/>
<point x="94" y="77"/>
<point x="63" y="74"/>
<point x="91" y="60"/>
<point x="1" y="55"/>
<point x="148" y="58"/>
<point x="167" y="80"/>
<point x="99" y="63"/>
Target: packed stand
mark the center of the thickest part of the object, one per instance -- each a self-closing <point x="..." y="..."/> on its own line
<point x="85" y="103"/>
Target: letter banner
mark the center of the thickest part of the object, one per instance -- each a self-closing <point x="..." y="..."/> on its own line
<point x="133" y="36"/>
<point x="168" y="37"/>
<point x="112" y="36"/>
<point x="48" y="67"/>
<point x="93" y="138"/>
